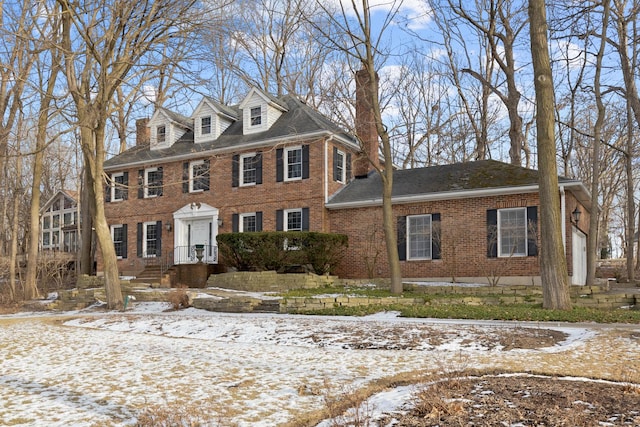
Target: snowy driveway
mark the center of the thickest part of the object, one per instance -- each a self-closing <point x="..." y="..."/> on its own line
<point x="102" y="369"/>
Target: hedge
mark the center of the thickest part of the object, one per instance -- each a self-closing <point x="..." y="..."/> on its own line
<point x="274" y="250"/>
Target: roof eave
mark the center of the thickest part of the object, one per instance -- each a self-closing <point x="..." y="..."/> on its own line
<point x="445" y="195"/>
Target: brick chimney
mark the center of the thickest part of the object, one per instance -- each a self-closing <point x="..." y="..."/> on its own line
<point x="365" y="126"/>
<point x="143" y="132"/>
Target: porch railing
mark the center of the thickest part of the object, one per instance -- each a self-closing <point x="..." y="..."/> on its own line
<point x="189" y="255"/>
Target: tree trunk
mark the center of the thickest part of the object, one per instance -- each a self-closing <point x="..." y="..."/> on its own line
<point x="103" y="233"/>
<point x="594" y="229"/>
<point x="86" y="222"/>
<point x="15" y="226"/>
<point x="553" y="263"/>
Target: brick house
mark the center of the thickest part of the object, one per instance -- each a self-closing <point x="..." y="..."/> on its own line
<point x="265" y="164"/>
<point x="277" y="164"/>
<point x="473" y="221"/>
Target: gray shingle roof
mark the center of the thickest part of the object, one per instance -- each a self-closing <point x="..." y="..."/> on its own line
<point x="459" y="177"/>
<point x="299" y="120"/>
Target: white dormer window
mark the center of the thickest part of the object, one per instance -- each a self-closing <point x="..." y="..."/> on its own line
<point x="256" y="116"/>
<point x="205" y="125"/>
<point x="161" y="134"/>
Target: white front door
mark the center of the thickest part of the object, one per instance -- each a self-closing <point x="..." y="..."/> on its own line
<point x="195" y="225"/>
<point x="579" y="250"/>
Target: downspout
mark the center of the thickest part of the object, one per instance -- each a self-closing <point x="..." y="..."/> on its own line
<point x="563" y="213"/>
<point x="326" y="168"/>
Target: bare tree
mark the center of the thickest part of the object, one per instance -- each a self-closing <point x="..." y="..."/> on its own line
<point x="553" y="264"/>
<point x="103" y="40"/>
<point x="501" y="22"/>
<point x="355" y="39"/>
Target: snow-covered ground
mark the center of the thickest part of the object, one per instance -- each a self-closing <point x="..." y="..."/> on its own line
<point x="94" y="368"/>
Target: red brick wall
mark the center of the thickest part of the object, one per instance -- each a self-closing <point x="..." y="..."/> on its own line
<point x="266" y="197"/>
<point x="463" y="240"/>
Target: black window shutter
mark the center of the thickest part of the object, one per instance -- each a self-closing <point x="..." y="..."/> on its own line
<point x="160" y="181"/>
<point x="124" y="241"/>
<point x="492" y="233"/>
<point x="335" y="164"/>
<point x="258" y="221"/>
<point x="235" y="223"/>
<point x="185" y="177"/>
<point x="140" y="183"/>
<point x="279" y="220"/>
<point x="305" y="219"/>
<point x="207" y="165"/>
<point x="159" y="238"/>
<point x="532" y="231"/>
<point x="139" y="240"/>
<point x="279" y="165"/>
<point x="436" y="236"/>
<point x="402" y="238"/>
<point x="305" y="161"/>
<point x="258" y="165"/>
<point x="348" y="166"/>
<point x="125" y="183"/>
<point x="235" y="170"/>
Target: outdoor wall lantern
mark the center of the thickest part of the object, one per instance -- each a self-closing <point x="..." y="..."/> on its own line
<point x="575" y="215"/>
<point x="168" y="226"/>
<point x="220" y="222"/>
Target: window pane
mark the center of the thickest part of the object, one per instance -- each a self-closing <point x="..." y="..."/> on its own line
<point x="249" y="170"/>
<point x="118" y="190"/>
<point x="46" y="222"/>
<point x="154" y="183"/>
<point x="45" y="239"/>
<point x="161" y="133"/>
<point x="200" y="177"/>
<point x="513" y="232"/>
<point x="151" y="239"/>
<point x="256" y="116"/>
<point x="294" y="221"/>
<point x="206" y="125"/>
<point x="248" y="223"/>
<point x="67" y="218"/>
<point x="56" y="221"/>
<point x="419" y="236"/>
<point x="294" y="163"/>
<point x="340" y="166"/>
<point x="118" y="240"/>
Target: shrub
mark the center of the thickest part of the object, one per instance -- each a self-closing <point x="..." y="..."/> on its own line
<point x="277" y="249"/>
<point x="178" y="298"/>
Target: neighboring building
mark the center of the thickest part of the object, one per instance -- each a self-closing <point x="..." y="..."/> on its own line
<point x="277" y="164"/>
<point x="59" y="223"/>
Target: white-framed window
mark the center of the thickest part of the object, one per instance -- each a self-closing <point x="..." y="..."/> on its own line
<point x="293" y="220"/>
<point x="248" y="169"/>
<point x="56" y="221"/>
<point x="150" y="238"/>
<point x="512" y="232"/>
<point x="67" y="218"/>
<point x="46" y="239"/>
<point x="152" y="182"/>
<point x="419" y="237"/>
<point x="119" y="237"/>
<point x="205" y="125"/>
<point x="46" y="222"/>
<point x="161" y="133"/>
<point x="340" y="169"/>
<point x="292" y="163"/>
<point x="198" y="176"/>
<point x="256" y="116"/>
<point x="117" y="186"/>
<point x="248" y="222"/>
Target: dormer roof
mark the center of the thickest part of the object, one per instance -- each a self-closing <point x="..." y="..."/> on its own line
<point x="269" y="99"/>
<point x="226" y="111"/>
